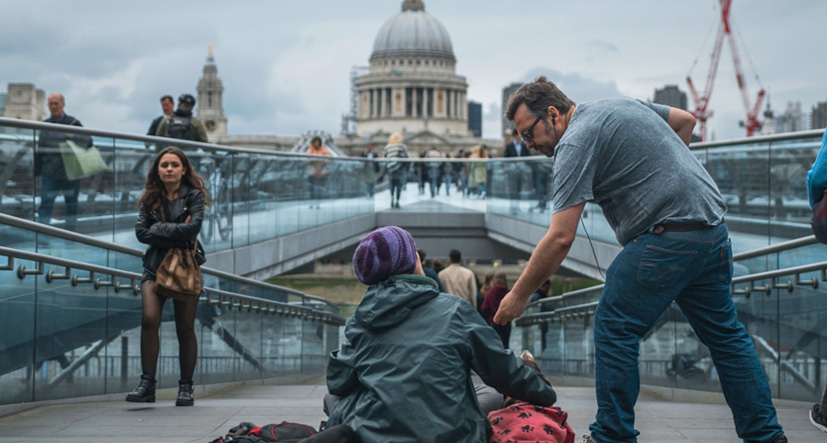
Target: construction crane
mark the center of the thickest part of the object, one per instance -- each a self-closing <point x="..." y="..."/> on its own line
<point x="702" y="111"/>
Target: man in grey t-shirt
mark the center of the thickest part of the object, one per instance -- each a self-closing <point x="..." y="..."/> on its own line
<point x="631" y="158"/>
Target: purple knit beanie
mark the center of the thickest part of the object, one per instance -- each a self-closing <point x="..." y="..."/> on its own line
<point x="384" y="252"/>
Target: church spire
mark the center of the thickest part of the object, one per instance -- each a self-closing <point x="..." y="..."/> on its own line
<point x="413" y="5"/>
<point x="210" y="58"/>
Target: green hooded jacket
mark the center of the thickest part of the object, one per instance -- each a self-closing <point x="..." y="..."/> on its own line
<point x="404" y="371"/>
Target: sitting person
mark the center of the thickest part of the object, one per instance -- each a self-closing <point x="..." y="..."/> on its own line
<point x="404" y="370"/>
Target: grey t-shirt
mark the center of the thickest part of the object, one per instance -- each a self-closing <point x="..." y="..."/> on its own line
<point x="621" y="154"/>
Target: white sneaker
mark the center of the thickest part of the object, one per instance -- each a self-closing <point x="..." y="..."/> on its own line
<point x="816" y="420"/>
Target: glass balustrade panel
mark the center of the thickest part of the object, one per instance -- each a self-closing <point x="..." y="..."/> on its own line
<point x="17" y="351"/>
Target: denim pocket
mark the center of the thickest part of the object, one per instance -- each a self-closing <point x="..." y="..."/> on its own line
<point x="725" y="269"/>
<point x="660" y="268"/>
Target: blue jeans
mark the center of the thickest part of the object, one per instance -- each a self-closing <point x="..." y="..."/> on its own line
<point x="433" y="179"/>
<point x="694" y="269"/>
<point x="50" y="187"/>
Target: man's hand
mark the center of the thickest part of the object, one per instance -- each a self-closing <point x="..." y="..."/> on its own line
<point x="511" y="307"/>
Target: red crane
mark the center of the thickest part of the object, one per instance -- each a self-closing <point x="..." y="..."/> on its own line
<point x="702" y="111"/>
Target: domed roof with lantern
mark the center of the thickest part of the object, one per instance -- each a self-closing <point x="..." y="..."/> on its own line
<point x="413" y="32"/>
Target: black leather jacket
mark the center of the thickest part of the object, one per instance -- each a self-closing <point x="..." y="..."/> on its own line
<point x="174" y="233"/>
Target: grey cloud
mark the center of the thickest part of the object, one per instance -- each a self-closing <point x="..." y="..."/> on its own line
<point x="576" y="87"/>
<point x="603" y="46"/>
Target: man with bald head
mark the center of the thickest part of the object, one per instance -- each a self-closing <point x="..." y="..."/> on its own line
<point x="48" y="165"/>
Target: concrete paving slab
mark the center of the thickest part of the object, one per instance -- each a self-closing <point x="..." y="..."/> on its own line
<point x="659" y="421"/>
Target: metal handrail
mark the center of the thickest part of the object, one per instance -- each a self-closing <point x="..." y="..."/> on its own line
<point x="784" y="136"/>
<point x="91" y="241"/>
<point x="773" y="276"/>
<point x="778" y="247"/>
<point x="570" y="294"/>
<point x="766" y="250"/>
<point x="43" y="126"/>
<point x="27" y="124"/>
<point x="213" y="147"/>
<point x="236" y="300"/>
<point x="544" y="317"/>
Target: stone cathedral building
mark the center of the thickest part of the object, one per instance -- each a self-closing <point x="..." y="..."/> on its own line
<point x="411" y="87"/>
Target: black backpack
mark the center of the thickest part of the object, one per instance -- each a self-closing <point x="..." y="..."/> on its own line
<point x="179" y="127"/>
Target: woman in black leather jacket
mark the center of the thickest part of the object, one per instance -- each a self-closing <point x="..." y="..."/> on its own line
<point x="172" y="186"/>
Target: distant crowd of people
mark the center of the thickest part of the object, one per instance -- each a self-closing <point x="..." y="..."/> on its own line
<point x="470" y="179"/>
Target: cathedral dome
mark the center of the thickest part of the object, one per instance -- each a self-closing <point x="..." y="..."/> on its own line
<point x="413" y="32"/>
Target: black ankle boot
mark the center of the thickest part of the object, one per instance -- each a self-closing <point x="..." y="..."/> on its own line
<point x="145" y="392"/>
<point x="185" y="397"/>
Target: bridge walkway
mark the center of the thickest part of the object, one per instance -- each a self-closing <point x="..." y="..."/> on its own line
<point x="660" y="419"/>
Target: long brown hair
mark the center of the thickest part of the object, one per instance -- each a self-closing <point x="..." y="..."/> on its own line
<point x="154" y="187"/>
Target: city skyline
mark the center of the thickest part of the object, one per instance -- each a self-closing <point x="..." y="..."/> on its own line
<point x="286" y="67"/>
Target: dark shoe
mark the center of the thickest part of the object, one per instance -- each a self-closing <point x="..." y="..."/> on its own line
<point x="145" y="392"/>
<point x="185" y="397"/>
<point x="817" y="419"/>
<point x="781" y="439"/>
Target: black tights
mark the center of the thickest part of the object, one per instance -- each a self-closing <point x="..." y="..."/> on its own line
<point x="153" y="305"/>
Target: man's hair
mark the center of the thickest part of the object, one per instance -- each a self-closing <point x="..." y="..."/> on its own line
<point x="538" y="96"/>
<point x="455" y="256"/>
<point x="167" y="97"/>
<point x="515" y="132"/>
<point x="422" y="254"/>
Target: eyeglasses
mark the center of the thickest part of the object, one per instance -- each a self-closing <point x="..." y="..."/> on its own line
<point x="526" y="135"/>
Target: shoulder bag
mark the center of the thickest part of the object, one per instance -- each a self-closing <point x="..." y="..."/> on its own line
<point x="80" y="162"/>
<point x="179" y="277"/>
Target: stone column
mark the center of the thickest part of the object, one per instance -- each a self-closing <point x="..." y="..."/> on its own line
<point x="440" y="102"/>
<point x="425" y="101"/>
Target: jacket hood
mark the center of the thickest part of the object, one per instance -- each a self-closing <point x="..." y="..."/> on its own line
<point x="390" y="301"/>
<point x="182" y="112"/>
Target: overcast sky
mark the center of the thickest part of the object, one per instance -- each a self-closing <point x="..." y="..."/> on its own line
<point x="285" y="65"/>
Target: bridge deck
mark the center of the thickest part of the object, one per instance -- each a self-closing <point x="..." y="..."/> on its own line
<point x="658" y="420"/>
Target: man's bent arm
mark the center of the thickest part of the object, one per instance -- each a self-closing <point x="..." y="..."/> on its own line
<point x="545" y="260"/>
<point x="682" y="123"/>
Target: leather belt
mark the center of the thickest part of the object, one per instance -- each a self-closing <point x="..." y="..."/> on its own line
<point x="681" y="227"/>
